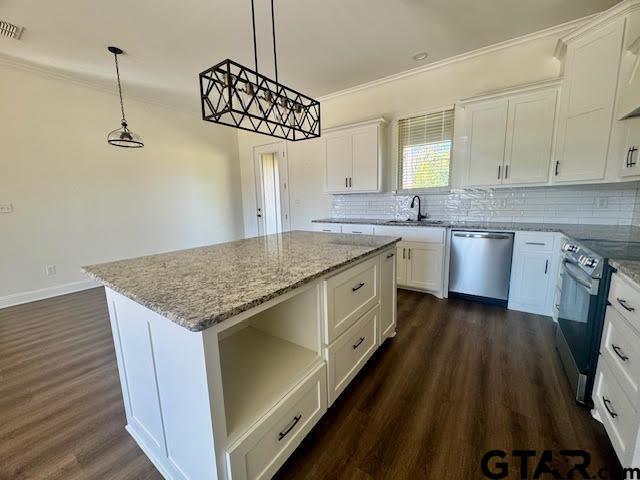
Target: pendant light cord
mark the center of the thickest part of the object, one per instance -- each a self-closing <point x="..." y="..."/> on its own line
<point x="273" y="29"/>
<point x="124" y="120"/>
<point x="255" y="48"/>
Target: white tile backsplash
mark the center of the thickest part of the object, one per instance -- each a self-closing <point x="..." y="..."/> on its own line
<point x="610" y="204"/>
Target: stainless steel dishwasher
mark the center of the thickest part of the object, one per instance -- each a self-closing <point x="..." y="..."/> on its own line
<point x="480" y="264"/>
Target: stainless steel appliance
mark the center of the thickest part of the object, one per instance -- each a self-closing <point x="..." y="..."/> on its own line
<point x="480" y="264"/>
<point x="584" y="286"/>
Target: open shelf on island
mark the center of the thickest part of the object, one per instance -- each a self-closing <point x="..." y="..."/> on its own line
<point x="265" y="357"/>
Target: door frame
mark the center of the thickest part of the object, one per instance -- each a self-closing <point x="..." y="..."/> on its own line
<point x="280" y="149"/>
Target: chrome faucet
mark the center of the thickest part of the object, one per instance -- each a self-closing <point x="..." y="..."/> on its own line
<point x="420" y="215"/>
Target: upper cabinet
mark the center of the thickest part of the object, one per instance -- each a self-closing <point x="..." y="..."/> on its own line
<point x="591" y="65"/>
<point x="353" y="158"/>
<point x="629" y="86"/>
<point x="508" y="138"/>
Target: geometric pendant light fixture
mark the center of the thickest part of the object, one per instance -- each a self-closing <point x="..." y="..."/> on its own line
<point x="237" y="96"/>
<point x="122" y="137"/>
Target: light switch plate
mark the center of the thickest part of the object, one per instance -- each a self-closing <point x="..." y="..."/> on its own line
<point x="6" y="207"/>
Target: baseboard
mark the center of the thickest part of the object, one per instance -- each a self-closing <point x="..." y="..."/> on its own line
<point x="41" y="294"/>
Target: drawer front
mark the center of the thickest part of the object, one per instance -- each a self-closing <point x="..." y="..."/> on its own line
<point x="349" y="295"/>
<point x="358" y="229"/>
<point x="618" y="416"/>
<point x="347" y="355"/>
<point x="535" y="241"/>
<point x="621" y="346"/>
<point x="625" y="298"/>
<point x="413" y="234"/>
<point x="260" y="452"/>
<point x="327" y="227"/>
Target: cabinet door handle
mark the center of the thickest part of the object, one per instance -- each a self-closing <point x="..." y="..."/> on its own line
<point x="628" y="155"/>
<point x="499" y="171"/>
<point x="557" y="167"/>
<point x="546" y="266"/>
<point x="607" y="402"/>
<point x="630" y="161"/>
<point x="390" y="255"/>
<point x="346" y="182"/>
<point x="623" y="303"/>
<point x="358" y="287"/>
<point x="358" y="343"/>
<point x="618" y="351"/>
<point x="294" y="422"/>
<point x="350" y="182"/>
<point x="409" y="254"/>
<point x="506" y="171"/>
<point x="541" y="244"/>
<point x="404" y="253"/>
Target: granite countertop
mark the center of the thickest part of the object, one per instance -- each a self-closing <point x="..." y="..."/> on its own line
<point x="619" y="244"/>
<point x="200" y="287"/>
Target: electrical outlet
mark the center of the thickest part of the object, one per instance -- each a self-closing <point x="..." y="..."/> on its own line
<point x="601" y="202"/>
<point x="6" y="207"/>
<point x="50" y="270"/>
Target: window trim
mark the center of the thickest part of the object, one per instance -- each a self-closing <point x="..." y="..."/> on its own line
<point x="396" y="126"/>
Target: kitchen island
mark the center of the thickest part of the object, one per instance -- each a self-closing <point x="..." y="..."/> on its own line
<point x="229" y="354"/>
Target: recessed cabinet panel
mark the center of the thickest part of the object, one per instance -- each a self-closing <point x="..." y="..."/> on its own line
<point x="486" y="132"/>
<point x="337" y="154"/>
<point x="586" y="113"/>
<point x="529" y="137"/>
<point x="365" y="159"/>
<point x="424" y="266"/>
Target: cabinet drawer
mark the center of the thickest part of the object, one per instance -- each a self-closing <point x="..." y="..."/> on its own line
<point x="327" y="227"/>
<point x="534" y="241"/>
<point x="358" y="229"/>
<point x="347" y="355"/>
<point x="262" y="450"/>
<point x="625" y="298"/>
<point x="349" y="295"/>
<point x="618" y="416"/>
<point x="413" y="234"/>
<point x="621" y="346"/>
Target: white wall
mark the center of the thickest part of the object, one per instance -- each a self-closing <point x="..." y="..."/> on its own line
<point x="492" y="69"/>
<point x="79" y="201"/>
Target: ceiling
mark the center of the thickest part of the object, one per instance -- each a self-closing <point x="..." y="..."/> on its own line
<point x="323" y="46"/>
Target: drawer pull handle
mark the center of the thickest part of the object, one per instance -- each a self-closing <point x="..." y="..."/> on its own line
<point x="607" y="402"/>
<point x="326" y="230"/>
<point x="542" y="244"/>
<point x="355" y="231"/>
<point x="360" y="285"/>
<point x="358" y="343"/>
<point x="618" y="351"/>
<point x="625" y="305"/>
<point x="390" y="255"/>
<point x="294" y="422"/>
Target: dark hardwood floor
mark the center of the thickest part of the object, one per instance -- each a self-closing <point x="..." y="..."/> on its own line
<point x="458" y="380"/>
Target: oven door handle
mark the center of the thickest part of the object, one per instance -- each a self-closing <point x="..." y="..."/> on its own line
<point x="576" y="274"/>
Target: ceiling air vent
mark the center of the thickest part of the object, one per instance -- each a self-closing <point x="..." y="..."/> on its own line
<point x="10" y="30"/>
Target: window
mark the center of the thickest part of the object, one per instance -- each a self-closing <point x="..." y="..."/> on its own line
<point x="424" y="150"/>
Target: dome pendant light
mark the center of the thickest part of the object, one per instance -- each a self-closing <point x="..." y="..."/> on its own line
<point x="122" y="137"/>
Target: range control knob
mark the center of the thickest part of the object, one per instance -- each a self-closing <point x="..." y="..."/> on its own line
<point x="570" y="248"/>
<point x="588" y="261"/>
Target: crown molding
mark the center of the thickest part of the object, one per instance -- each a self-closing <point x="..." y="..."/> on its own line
<point x="86" y="81"/>
<point x="547" y="32"/>
<point x="516" y="89"/>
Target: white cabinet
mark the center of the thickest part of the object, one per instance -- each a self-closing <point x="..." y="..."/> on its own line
<point x="629" y="154"/>
<point x="353" y="158"/>
<point x="357" y="229"/>
<point x="424" y="266"/>
<point x="533" y="272"/>
<point x="530" y="126"/>
<point x="629" y="86"/>
<point x="509" y="137"/>
<point x="486" y="124"/>
<point x="327" y="227"/>
<point x="388" y="310"/>
<point x="586" y="108"/>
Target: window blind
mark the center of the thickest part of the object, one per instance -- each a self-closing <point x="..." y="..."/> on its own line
<point x="424" y="150"/>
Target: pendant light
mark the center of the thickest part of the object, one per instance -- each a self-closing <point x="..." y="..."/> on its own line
<point x="237" y="96"/>
<point x="122" y="137"/>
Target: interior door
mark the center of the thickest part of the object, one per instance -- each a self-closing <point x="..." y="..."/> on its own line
<point x="424" y="266"/>
<point x="272" y="188"/>
<point x="584" y="128"/>
<point x="529" y="137"/>
<point x="365" y="159"/>
<point x="486" y="126"/>
<point x="338" y="161"/>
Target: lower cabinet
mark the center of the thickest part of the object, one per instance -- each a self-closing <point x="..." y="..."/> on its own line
<point x="534" y="270"/>
<point x="420" y="266"/>
<point x="388" y="296"/>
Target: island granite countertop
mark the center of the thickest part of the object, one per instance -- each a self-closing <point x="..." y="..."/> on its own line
<point x="200" y="287"/>
<point x="618" y="243"/>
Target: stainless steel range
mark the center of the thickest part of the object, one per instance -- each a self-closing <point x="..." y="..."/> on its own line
<point x="584" y="280"/>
